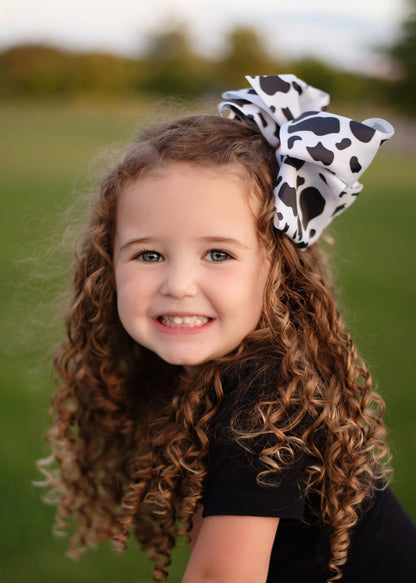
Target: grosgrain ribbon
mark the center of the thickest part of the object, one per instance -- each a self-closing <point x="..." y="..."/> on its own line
<point x="321" y="155"/>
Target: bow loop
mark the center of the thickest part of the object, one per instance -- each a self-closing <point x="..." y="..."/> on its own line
<point x="248" y="107"/>
<point x="320" y="155"/>
<point x="287" y="96"/>
<point x="336" y="143"/>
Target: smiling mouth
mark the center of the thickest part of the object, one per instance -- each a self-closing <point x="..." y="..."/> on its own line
<point x="183" y="321"/>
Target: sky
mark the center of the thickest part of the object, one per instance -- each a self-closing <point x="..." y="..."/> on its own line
<point x="347" y="34"/>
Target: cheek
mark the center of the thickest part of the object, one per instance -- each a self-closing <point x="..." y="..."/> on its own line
<point x="258" y="291"/>
<point x="132" y="289"/>
<point x="257" y="302"/>
<point x="244" y="295"/>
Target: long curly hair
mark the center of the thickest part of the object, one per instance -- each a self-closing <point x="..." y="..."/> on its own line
<point x="130" y="442"/>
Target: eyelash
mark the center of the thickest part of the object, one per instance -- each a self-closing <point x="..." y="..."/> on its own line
<point x="141" y="254"/>
<point x="221" y="251"/>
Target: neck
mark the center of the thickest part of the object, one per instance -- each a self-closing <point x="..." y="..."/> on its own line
<point x="191" y="371"/>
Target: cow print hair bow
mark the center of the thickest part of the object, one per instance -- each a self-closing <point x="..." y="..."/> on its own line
<point x="321" y="156"/>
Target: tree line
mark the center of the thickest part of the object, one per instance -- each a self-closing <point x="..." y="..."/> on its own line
<point x="170" y="66"/>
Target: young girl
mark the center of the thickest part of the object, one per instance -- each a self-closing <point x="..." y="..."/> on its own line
<point x="209" y="387"/>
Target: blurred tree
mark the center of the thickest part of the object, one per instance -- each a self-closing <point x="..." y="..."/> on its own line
<point x="102" y="74"/>
<point x="245" y="54"/>
<point x="316" y="73"/>
<point x="36" y="70"/>
<point x="344" y="86"/>
<point x="170" y="66"/>
<point x="404" y="54"/>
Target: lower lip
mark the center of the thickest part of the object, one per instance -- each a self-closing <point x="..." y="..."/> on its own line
<point x="181" y="330"/>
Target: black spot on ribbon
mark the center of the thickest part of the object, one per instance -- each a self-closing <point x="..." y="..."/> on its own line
<point x="279" y="180"/>
<point x="287" y="195"/>
<point x="345" y="143"/>
<point x="323" y="178"/>
<point x="285" y="228"/>
<point x="297" y="87"/>
<point x="355" y="165"/>
<point x="279" y="216"/>
<point x="273" y="108"/>
<point x="306" y="114"/>
<point x="263" y="121"/>
<point x="295" y="162"/>
<point x="249" y="119"/>
<point x="311" y="203"/>
<point x="252" y="91"/>
<point x="292" y="140"/>
<point x="362" y="132"/>
<point x="299" y="232"/>
<point x="339" y="208"/>
<point x="299" y="181"/>
<point x="312" y="233"/>
<point x="238" y="101"/>
<point x="287" y="113"/>
<point x="320" y="126"/>
<point x="321" y="154"/>
<point x="272" y="84"/>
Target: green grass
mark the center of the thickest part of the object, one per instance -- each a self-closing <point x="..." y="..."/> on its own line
<point x="45" y="162"/>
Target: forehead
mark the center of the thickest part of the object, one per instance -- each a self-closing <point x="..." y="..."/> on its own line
<point x="204" y="194"/>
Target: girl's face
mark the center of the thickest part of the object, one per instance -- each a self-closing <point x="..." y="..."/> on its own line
<point x="190" y="271"/>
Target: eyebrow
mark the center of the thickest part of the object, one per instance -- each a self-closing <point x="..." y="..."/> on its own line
<point x="211" y="239"/>
<point x="137" y="242"/>
<point x="225" y="240"/>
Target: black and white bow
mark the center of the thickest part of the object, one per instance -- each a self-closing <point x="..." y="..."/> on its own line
<point x="321" y="156"/>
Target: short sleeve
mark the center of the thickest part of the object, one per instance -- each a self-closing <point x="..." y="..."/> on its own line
<point x="232" y="486"/>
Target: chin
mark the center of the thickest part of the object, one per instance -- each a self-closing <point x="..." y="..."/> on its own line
<point x="188" y="363"/>
<point x="180" y="360"/>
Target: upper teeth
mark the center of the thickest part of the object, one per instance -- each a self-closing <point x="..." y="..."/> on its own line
<point x="184" y="321"/>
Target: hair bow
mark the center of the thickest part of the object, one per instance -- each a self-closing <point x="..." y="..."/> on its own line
<point x="321" y="156"/>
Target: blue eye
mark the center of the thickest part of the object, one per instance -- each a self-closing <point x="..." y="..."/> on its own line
<point x="217" y="255"/>
<point x="149" y="256"/>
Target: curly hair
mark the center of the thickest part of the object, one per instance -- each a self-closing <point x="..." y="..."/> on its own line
<point x="131" y="433"/>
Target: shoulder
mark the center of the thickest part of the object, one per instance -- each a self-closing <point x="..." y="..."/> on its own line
<point x="243" y="478"/>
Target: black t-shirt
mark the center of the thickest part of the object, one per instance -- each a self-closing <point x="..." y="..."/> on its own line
<point x="383" y="543"/>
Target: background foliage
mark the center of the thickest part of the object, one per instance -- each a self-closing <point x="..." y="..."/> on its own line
<point x="171" y="66"/>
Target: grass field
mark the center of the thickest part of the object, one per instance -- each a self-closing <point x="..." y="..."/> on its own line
<point x="45" y="161"/>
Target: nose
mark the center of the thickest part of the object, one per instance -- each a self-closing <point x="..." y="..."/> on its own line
<point x="179" y="281"/>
